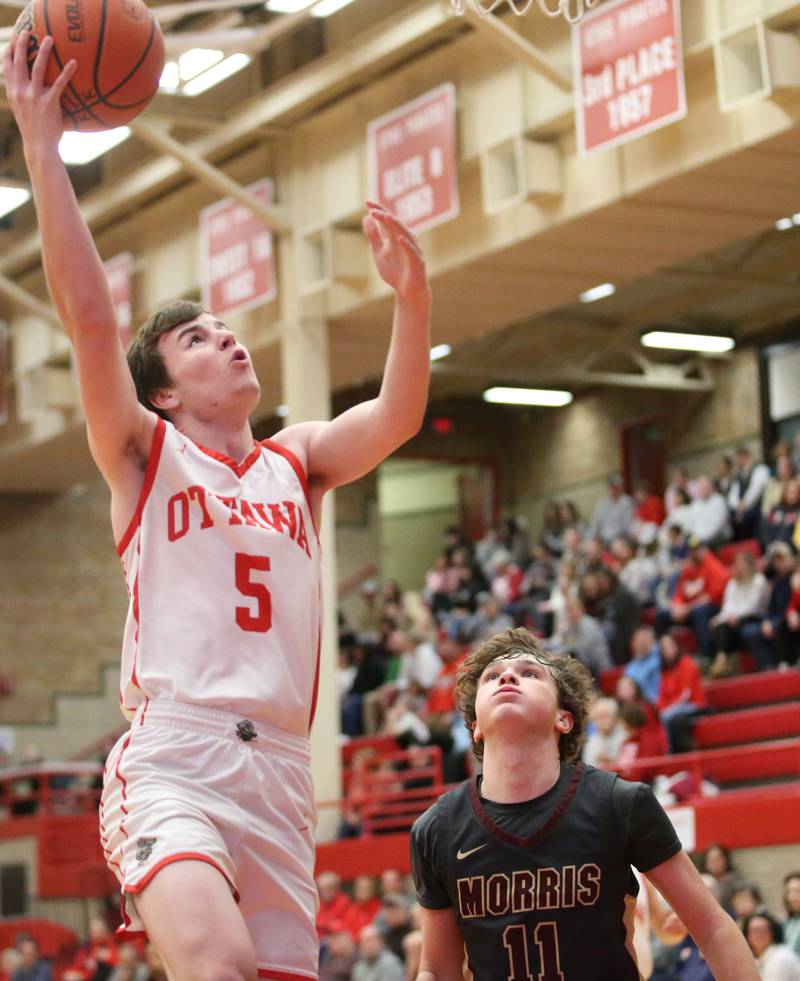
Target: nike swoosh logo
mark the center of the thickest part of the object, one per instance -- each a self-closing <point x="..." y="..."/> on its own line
<point x="460" y="854"/>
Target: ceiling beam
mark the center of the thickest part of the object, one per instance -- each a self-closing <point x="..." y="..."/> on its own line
<point x="22" y="298"/>
<point x="273" y="217"/>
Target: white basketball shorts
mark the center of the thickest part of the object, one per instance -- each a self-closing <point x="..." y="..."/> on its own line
<point x="187" y="782"/>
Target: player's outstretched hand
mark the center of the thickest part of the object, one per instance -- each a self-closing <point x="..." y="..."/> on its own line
<point x="396" y="252"/>
<point x="36" y="106"/>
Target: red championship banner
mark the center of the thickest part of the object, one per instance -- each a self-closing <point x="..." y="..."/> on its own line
<point x="236" y="257"/>
<point x="119" y="273"/>
<point x="628" y="60"/>
<point x="5" y="368"/>
<point x="413" y="162"/>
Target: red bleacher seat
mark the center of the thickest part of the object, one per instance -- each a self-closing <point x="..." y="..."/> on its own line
<point x="726" y="553"/>
<point x="748" y="725"/>
<point x="608" y="679"/>
<point x="762" y="688"/>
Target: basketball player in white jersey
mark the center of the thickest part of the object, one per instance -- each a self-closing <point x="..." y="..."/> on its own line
<point x="208" y="809"/>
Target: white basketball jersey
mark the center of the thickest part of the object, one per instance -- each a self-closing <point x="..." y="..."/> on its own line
<point x="222" y="564"/>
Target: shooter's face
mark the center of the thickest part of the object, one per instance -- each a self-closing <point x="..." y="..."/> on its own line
<point x="210" y="371"/>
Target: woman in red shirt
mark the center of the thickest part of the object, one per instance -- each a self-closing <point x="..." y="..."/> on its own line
<point x="682" y="697"/>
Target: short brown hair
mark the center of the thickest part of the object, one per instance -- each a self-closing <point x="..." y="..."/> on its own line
<point x="573" y="682"/>
<point x="144" y="361"/>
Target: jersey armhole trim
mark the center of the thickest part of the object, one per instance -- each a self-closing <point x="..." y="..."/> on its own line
<point x="299" y="470"/>
<point x="147" y="485"/>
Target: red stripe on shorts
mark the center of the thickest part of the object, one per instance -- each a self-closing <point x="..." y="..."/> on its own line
<point x="265" y="972"/>
<point x="180" y="857"/>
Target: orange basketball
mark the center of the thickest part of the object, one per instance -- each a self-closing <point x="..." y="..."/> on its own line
<point x="119" y="49"/>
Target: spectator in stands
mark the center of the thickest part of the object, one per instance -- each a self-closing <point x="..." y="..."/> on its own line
<point x="393" y="882"/>
<point x="371" y="612"/>
<point x="570" y="517"/>
<point x="724" y="475"/>
<point x="551" y="614"/>
<point x="652" y="737"/>
<point x="678" y="517"/>
<point x="698" y="596"/>
<point x="402" y="720"/>
<point x="334" y="903"/>
<point x="773" y="492"/>
<point x="746" y="900"/>
<point x="744" y="497"/>
<point x="607" y="734"/>
<point x="370" y="661"/>
<point x="394" y="921"/>
<point x="96" y="960"/>
<point x="791" y="902"/>
<point x="796" y="452"/>
<point x="537" y="583"/>
<point x="514" y="536"/>
<point x="412" y="953"/>
<point x="686" y="961"/>
<point x="613" y="514"/>
<point x="768" y="640"/>
<point x="644" y="668"/>
<point x="679" y="481"/>
<point x="340" y="955"/>
<point x="365" y="906"/>
<point x="584" y="638"/>
<point x="707" y="518"/>
<point x="776" y="962"/>
<point x="717" y="861"/>
<point x="744" y="601"/>
<point x="487" y="548"/>
<point x="619" y="614"/>
<point x="419" y="666"/>
<point x="649" y="515"/>
<point x="32" y="967"/>
<point x="637" y="572"/>
<point x="375" y="962"/>
<point x="638" y="742"/>
<point x="129" y="967"/>
<point x="10" y="960"/>
<point x="682" y="697"/>
<point x="488" y="620"/>
<point x="552" y="534"/>
<point x="781" y="523"/>
<point x="506" y="579"/>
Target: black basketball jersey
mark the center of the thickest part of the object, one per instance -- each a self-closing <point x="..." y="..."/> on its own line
<point x="543" y="890"/>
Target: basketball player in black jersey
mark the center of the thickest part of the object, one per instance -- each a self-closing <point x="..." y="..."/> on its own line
<point x="528" y="868"/>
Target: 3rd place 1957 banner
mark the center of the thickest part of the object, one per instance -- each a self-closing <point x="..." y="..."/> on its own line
<point x="629" y="81"/>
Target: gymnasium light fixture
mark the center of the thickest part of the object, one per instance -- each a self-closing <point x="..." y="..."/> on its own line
<point x="12" y="198"/>
<point x="676" y="341"/>
<point x="784" y="224"/>
<point x="216" y="74"/>
<point x="550" y="398"/>
<point x="282" y="411"/>
<point x="322" y="9"/>
<point x="81" y="148"/>
<point x="598" y="292"/>
<point x="440" y="351"/>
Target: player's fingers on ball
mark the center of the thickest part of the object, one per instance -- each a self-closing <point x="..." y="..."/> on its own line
<point x="18" y="54"/>
<point x="64" y="78"/>
<point x="40" y="63"/>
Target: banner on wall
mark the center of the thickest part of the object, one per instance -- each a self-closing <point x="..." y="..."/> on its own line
<point x="413" y="161"/>
<point x="237" y="264"/>
<point x="119" y="273"/>
<point x="5" y="368"/>
<point x="628" y="64"/>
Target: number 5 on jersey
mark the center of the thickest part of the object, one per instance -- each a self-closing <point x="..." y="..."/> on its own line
<point x="257" y="620"/>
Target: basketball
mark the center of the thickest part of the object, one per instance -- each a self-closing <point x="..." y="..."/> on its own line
<point x="119" y="49"/>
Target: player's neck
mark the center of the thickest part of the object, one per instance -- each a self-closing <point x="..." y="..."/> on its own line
<point x="515" y="772"/>
<point x="232" y="437"/>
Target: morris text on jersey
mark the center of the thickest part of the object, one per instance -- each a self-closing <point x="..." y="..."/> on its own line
<point x="526" y="890"/>
<point x="198" y="508"/>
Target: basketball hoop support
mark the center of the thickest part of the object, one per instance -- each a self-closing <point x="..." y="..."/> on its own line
<point x="518" y="47"/>
<point x="571" y="10"/>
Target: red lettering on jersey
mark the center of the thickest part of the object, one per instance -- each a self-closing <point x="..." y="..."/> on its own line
<point x="261" y="511"/>
<point x="232" y="503"/>
<point x="279" y="522"/>
<point x="302" y="538"/>
<point x="177" y="516"/>
<point x="247" y="513"/>
<point x="547" y="882"/>
<point x="198" y="494"/>
<point x="290" y="510"/>
<point x="588" y="884"/>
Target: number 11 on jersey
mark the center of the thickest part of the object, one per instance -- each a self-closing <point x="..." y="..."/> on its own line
<point x="545" y="935"/>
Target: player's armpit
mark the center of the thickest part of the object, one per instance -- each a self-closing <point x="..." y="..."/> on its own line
<point x="442" y="946"/>
<point x="716" y="934"/>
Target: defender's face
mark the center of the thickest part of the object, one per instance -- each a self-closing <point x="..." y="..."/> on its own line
<point x="207" y="366"/>
<point x="518" y="694"/>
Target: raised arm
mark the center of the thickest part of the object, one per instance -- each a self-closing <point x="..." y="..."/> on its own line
<point x="355" y="442"/>
<point x="715" y="933"/>
<point x="120" y="428"/>
<point x="442" y="957"/>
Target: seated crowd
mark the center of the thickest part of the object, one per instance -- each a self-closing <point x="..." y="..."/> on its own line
<point x="667" y="591"/>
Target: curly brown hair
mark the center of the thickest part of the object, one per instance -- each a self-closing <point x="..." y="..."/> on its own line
<point x="573" y="682"/>
<point x="144" y="359"/>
